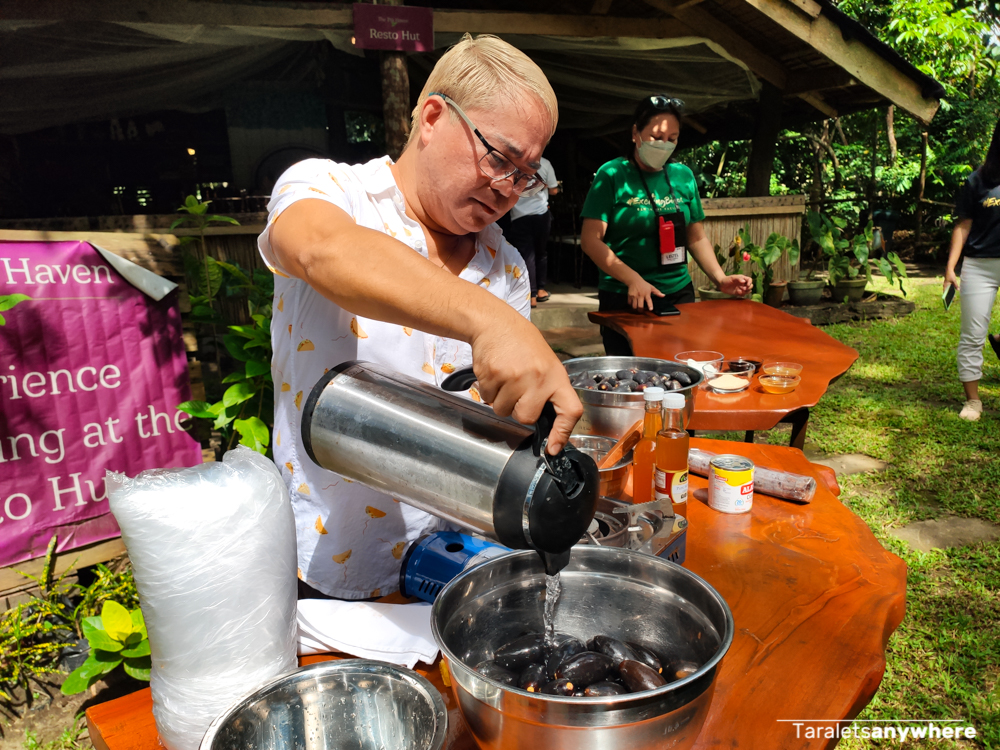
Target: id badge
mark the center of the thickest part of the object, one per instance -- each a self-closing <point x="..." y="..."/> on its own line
<point x="673" y="239"/>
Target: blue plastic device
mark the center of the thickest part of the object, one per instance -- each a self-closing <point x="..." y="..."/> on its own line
<point x="433" y="560"/>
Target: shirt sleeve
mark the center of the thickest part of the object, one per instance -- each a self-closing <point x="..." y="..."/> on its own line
<point x="600" y="201"/>
<point x="965" y="202"/>
<point x="548" y="174"/>
<point x="313" y="178"/>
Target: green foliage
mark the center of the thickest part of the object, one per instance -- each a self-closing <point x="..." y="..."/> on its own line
<point x="848" y="257"/>
<point x="74" y="737"/>
<point x="116" y="637"/>
<point x="7" y="301"/>
<point x="762" y="258"/>
<point x="250" y="395"/>
<point x="32" y="634"/>
<point x="848" y="164"/>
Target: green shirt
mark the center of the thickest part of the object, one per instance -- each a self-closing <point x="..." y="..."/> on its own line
<point x="618" y="197"/>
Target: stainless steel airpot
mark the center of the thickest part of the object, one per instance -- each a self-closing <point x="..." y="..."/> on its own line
<point x="452" y="457"/>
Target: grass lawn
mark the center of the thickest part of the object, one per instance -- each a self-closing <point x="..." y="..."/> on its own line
<point x="900" y="403"/>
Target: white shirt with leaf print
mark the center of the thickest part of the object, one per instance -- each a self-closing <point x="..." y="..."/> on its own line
<point x="350" y="537"/>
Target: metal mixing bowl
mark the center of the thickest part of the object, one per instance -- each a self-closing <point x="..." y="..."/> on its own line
<point x="614" y="477"/>
<point x="351" y="704"/>
<point x="605" y="591"/>
<point x="611" y="414"/>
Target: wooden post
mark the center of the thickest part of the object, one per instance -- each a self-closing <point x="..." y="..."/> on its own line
<point x="923" y="182"/>
<point x="765" y="141"/>
<point x="395" y="97"/>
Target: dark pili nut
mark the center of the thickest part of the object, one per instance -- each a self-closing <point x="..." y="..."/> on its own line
<point x="558" y="687"/>
<point x="619" y="651"/>
<point x="643" y="376"/>
<point x="603" y="386"/>
<point x="646" y="656"/>
<point x="604" y="689"/>
<point x="561" y="653"/>
<point x="673" y="385"/>
<point x="495" y="672"/>
<point x="597" y="376"/>
<point x="624" y="374"/>
<point x="586" y="668"/>
<point x="682" y="377"/>
<point x="533" y="678"/>
<point x="521" y="652"/>
<point x="639" y="677"/>
<point x="579" y="693"/>
<point x="676" y="669"/>
<point x="622" y="388"/>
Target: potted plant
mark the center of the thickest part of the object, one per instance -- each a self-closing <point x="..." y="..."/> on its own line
<point x="847" y="258"/>
<point x="765" y="288"/>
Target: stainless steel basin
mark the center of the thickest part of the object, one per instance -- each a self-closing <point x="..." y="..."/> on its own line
<point x="351" y="704"/>
<point x="611" y="414"/>
<point x="607" y="591"/>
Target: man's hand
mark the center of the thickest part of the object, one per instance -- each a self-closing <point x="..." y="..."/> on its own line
<point x="518" y="373"/>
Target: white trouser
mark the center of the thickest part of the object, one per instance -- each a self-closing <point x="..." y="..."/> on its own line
<point x="980" y="279"/>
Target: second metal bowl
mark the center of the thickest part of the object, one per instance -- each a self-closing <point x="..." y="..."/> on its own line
<point x="614" y="477"/>
<point x="350" y="703"/>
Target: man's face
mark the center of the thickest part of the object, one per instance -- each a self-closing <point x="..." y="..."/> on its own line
<point x="454" y="191"/>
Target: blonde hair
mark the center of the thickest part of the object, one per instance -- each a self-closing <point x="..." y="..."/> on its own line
<point x="477" y="72"/>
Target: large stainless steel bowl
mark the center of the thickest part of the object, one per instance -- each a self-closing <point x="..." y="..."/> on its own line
<point x="611" y="414"/>
<point x="352" y="704"/>
<point x="605" y="591"/>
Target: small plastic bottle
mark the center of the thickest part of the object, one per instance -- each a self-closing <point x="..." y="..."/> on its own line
<point x="672" y="443"/>
<point x="643" y="455"/>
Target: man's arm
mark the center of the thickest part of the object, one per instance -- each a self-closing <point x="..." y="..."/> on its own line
<point x="371" y="274"/>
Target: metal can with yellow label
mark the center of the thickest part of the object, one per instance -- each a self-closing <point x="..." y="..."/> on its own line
<point x="730" y="484"/>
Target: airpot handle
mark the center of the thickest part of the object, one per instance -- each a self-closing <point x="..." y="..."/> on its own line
<point x="464" y="379"/>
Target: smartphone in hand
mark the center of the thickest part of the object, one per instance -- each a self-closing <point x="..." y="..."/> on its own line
<point x="949" y="296"/>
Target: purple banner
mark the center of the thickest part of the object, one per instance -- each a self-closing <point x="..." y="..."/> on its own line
<point x="393" y="27"/>
<point x="91" y="370"/>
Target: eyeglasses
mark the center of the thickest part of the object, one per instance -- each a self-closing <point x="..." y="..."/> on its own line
<point x="666" y="102"/>
<point x="494" y="164"/>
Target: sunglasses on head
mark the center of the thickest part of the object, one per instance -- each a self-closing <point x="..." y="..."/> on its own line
<point x="658" y="101"/>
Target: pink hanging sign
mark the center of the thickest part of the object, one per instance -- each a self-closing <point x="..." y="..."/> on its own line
<point x="91" y="372"/>
<point x="400" y="28"/>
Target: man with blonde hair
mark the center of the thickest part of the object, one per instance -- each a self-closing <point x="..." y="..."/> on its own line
<point x="401" y="264"/>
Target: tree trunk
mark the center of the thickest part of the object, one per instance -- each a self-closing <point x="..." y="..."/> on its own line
<point x="923" y="182"/>
<point x="890" y="132"/>
<point x="816" y="189"/>
<point x="395" y="98"/>
<point x="765" y="141"/>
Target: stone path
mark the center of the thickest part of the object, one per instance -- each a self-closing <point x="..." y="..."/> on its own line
<point x="938" y="533"/>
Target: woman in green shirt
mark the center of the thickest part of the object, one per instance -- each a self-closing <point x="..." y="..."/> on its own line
<point x="641" y="249"/>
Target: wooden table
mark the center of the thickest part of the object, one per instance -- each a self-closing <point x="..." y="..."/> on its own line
<point x="814" y="597"/>
<point x="741" y="328"/>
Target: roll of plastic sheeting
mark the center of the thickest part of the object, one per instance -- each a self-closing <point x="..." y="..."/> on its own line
<point x="213" y="554"/>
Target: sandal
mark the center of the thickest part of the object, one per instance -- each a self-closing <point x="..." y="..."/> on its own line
<point x="547" y="295"/>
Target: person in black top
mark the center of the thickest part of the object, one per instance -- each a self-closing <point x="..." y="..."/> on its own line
<point x="976" y="237"/>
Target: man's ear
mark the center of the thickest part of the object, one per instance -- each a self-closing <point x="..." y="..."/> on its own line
<point x="433" y="109"/>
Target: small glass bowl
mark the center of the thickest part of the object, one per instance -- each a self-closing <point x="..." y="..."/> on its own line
<point x="743" y="364"/>
<point x="733" y="381"/>
<point x="779" y="384"/>
<point x="700" y="360"/>
<point x="782" y="369"/>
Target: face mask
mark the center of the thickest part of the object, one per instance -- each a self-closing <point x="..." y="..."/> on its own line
<point x="654" y="154"/>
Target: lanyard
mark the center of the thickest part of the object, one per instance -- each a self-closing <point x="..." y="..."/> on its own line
<point x="649" y="193"/>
